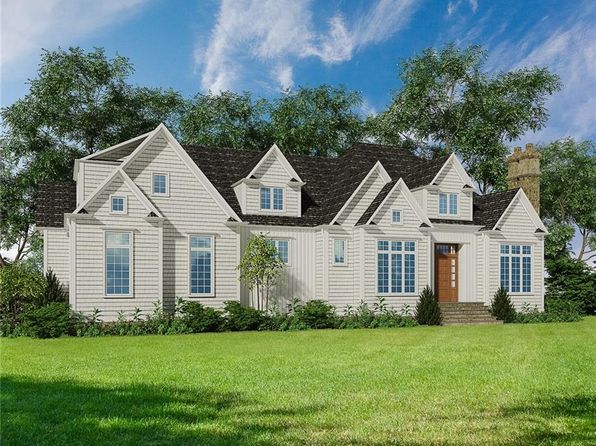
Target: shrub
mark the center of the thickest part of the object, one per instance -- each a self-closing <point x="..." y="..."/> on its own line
<point x="20" y="284"/>
<point x="428" y="311"/>
<point x="557" y="310"/>
<point x="314" y="314"/>
<point x="199" y="318"/>
<point x="572" y="280"/>
<point x="52" y="291"/>
<point x="241" y="318"/>
<point x="50" y="321"/>
<point x="501" y="306"/>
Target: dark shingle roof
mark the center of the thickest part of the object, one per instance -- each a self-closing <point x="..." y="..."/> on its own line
<point x="53" y="200"/>
<point x="489" y="208"/>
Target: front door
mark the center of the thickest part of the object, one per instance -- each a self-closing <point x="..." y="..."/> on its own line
<point x="446" y="272"/>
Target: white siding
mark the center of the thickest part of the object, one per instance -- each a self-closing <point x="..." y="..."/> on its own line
<point x="517" y="227"/>
<point x="57" y="254"/>
<point x="94" y="173"/>
<point x="449" y="181"/>
<point x="189" y="209"/>
<point x="90" y="252"/>
<point x="341" y="283"/>
<point x="361" y="201"/>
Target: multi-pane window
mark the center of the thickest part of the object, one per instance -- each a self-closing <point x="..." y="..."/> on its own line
<point x="396" y="216"/>
<point x="201" y="265"/>
<point x="448" y="204"/>
<point x="118" y="204"/>
<point x="396" y="267"/>
<point x="160" y="184"/>
<point x="339" y="252"/>
<point x="272" y="198"/>
<point x="118" y="249"/>
<point x="283" y="249"/>
<point x="516" y="268"/>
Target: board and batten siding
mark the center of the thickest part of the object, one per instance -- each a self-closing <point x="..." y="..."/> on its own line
<point x="340" y="278"/>
<point x="90" y="255"/>
<point x="449" y="182"/>
<point x="57" y="254"/>
<point x="272" y="174"/>
<point x="188" y="210"/>
<point x="518" y="228"/>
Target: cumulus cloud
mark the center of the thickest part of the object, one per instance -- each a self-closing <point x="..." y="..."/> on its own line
<point x="278" y="33"/>
<point x="29" y="25"/>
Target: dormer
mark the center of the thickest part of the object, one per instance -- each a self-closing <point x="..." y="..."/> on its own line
<point x="449" y="194"/>
<point x="272" y="187"/>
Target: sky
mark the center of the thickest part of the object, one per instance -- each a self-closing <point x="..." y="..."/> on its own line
<point x="264" y="46"/>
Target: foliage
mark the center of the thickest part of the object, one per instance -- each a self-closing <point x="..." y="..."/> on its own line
<point x="501" y="306"/>
<point x="428" y="311"/>
<point x="199" y="318"/>
<point x="49" y="321"/>
<point x="260" y="268"/>
<point x="568" y="188"/>
<point x="557" y="310"/>
<point x="20" y="284"/>
<point x="241" y="318"/>
<point x="449" y="101"/>
<point x="317" y="121"/>
<point x="571" y="280"/>
<point x="78" y="103"/>
<point x="378" y="317"/>
<point x="313" y="314"/>
<point x="52" y="291"/>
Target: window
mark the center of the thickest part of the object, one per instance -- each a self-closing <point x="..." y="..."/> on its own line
<point x="117" y="204"/>
<point x="339" y="252"/>
<point x="516" y="268"/>
<point x="161" y="186"/>
<point x="396" y="267"/>
<point x="272" y="200"/>
<point x="448" y="204"/>
<point x="201" y="265"/>
<point x="118" y="259"/>
<point x="283" y="249"/>
<point x="396" y="217"/>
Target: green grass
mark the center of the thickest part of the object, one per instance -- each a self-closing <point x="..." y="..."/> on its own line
<point x="512" y="384"/>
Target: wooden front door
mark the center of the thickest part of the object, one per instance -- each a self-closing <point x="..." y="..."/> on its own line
<point x="446" y="274"/>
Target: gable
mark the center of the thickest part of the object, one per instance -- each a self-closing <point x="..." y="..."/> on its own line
<point x="272" y="171"/>
<point x="275" y="153"/>
<point x="362" y="198"/>
<point x="99" y="205"/>
<point x="449" y="179"/>
<point x="519" y="217"/>
<point x="396" y="200"/>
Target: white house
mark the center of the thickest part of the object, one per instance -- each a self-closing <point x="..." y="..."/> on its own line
<point x="149" y="220"/>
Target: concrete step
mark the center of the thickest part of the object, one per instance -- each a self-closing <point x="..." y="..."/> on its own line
<point x="466" y="313"/>
<point x="487" y="322"/>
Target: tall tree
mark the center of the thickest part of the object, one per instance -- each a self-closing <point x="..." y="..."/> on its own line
<point x="449" y="101"/>
<point x="78" y="103"/>
<point x="319" y="121"/>
<point x="568" y="190"/>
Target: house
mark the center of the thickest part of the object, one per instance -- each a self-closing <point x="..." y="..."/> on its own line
<point x="148" y="220"/>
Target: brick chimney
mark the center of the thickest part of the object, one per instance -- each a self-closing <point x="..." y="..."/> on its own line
<point x="524" y="172"/>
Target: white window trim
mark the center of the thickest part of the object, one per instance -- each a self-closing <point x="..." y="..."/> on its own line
<point x="189" y="277"/>
<point x="415" y="252"/>
<point x="130" y="265"/>
<point x="275" y="240"/>
<point x="345" y="262"/>
<point x="156" y="194"/>
<point x="448" y="213"/>
<point x="521" y="267"/>
<point x="125" y="211"/>
<point x="401" y="216"/>
<point x="271" y="210"/>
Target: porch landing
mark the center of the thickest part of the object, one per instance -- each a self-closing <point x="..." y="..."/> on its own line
<point x="460" y="313"/>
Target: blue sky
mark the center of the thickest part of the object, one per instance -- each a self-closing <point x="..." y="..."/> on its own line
<point x="264" y="46"/>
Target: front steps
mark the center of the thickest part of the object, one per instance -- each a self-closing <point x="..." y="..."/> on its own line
<point x="461" y="313"/>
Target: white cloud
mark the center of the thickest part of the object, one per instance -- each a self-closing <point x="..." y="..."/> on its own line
<point x="454" y="5"/>
<point x="569" y="50"/>
<point x="278" y="33"/>
<point x="29" y="25"/>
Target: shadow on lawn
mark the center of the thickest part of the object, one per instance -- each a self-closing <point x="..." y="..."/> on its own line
<point x="56" y="413"/>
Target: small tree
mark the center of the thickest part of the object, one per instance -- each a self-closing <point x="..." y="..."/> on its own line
<point x="501" y="306"/>
<point x="428" y="311"/>
<point x="260" y="268"/>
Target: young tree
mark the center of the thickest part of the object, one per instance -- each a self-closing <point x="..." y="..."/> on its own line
<point x="501" y="306"/>
<point x="448" y="101"/>
<point x="428" y="311"/>
<point x="78" y="103"/>
<point x="260" y="268"/>
<point x="568" y="189"/>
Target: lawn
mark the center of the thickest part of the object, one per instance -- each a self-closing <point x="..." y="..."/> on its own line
<point x="469" y="385"/>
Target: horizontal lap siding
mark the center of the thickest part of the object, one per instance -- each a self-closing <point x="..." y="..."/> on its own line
<point x="58" y="255"/>
<point x="518" y="228"/>
<point x="90" y="256"/>
<point x="449" y="181"/>
<point x="188" y="210"/>
<point x="272" y="173"/>
<point x="95" y="174"/>
<point x="360" y="202"/>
